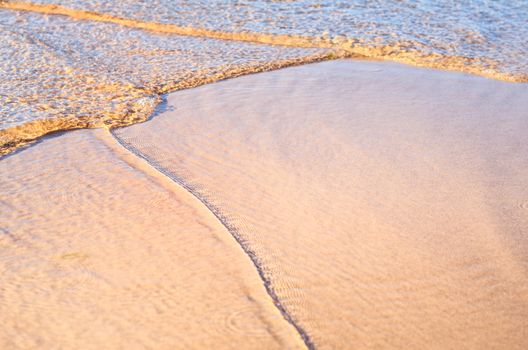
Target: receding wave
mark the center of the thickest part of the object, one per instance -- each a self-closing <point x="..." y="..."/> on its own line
<point x="80" y="68"/>
<point x="137" y="111"/>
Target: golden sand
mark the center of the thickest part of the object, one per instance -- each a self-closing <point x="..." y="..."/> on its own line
<point x="98" y="251"/>
<point x="344" y="204"/>
<point x="387" y="204"/>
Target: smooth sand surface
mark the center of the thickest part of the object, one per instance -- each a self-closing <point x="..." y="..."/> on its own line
<point x="98" y="251"/>
<point x="380" y="205"/>
<point x="387" y="205"/>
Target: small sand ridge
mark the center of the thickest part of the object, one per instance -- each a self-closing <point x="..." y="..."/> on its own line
<point x="380" y="201"/>
<point x="100" y="251"/>
<point x="232" y="230"/>
<point x="383" y="206"/>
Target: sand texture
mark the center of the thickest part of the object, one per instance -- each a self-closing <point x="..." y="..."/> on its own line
<point x="338" y="205"/>
<point x="387" y="205"/>
<point x="98" y="251"/>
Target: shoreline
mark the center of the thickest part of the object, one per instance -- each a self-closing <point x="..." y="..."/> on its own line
<point x="17" y="138"/>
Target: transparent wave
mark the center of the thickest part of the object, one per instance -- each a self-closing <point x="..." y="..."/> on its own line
<point x="105" y="63"/>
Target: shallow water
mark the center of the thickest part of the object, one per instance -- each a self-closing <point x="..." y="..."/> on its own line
<point x="381" y="221"/>
<point x="93" y="63"/>
<point x="59" y="73"/>
<point x="494" y="30"/>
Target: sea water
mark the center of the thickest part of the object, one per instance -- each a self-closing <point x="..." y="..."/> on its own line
<point x="68" y="64"/>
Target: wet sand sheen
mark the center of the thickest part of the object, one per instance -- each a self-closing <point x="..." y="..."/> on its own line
<point x="384" y="202"/>
<point x="99" y="251"/>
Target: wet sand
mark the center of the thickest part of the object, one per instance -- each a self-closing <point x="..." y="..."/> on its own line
<point x="99" y="251"/>
<point x="380" y="205"/>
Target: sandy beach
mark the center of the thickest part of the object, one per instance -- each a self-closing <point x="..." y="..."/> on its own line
<point x="344" y="204"/>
